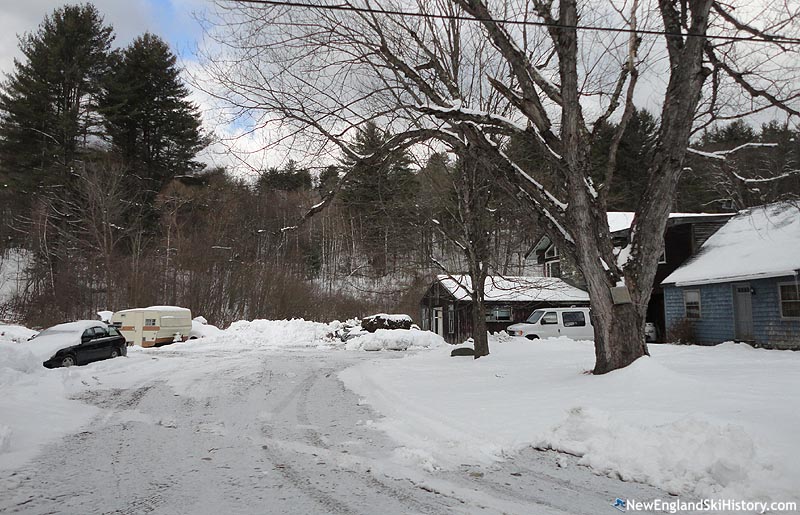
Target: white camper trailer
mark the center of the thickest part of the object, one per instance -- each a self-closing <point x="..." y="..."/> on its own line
<point x="154" y="325"/>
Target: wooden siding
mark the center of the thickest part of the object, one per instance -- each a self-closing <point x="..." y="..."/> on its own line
<point x="717" y="322"/>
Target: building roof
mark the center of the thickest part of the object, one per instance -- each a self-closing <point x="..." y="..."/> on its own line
<point x="757" y="243"/>
<point x="622" y="220"/>
<point x="515" y="289"/>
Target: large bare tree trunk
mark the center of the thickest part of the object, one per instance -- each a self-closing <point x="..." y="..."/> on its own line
<point x="533" y="84"/>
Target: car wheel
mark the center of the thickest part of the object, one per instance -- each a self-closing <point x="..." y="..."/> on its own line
<point x="114" y="353"/>
<point x="532" y="337"/>
<point x="68" y="361"/>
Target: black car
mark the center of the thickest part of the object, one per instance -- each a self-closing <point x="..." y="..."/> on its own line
<point x="78" y="343"/>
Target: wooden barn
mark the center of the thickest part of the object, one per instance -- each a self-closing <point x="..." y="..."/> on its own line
<point x="446" y="306"/>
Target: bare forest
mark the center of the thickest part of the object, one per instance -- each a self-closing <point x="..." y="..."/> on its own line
<point x="448" y="141"/>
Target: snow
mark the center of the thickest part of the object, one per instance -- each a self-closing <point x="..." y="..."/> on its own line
<point x="759" y="243"/>
<point x="105" y="316"/>
<point x="395" y="339"/>
<point x="202" y="329"/>
<point x="645" y="423"/>
<point x="622" y="220"/>
<point x="392" y="317"/>
<point x="13" y="265"/>
<point x="38" y="404"/>
<point x="515" y="289"/>
<point x="46" y="343"/>
<point x="14" y="333"/>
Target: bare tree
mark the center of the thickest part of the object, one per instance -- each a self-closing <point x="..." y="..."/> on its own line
<point x="471" y="73"/>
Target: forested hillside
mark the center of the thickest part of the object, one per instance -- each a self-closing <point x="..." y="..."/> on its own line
<point x="105" y="204"/>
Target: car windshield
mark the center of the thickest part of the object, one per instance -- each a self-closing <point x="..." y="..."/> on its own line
<point x="535" y="316"/>
<point x="56" y="330"/>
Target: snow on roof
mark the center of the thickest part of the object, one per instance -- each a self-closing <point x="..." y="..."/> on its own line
<point x="622" y="220"/>
<point x="757" y="243"/>
<point x="157" y="308"/>
<point x="515" y="289"/>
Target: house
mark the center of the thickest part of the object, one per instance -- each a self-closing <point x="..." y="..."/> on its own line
<point x="446" y="307"/>
<point x="684" y="235"/>
<point x="743" y="283"/>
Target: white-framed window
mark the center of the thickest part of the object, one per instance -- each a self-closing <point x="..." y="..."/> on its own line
<point x="691" y="301"/>
<point x="150" y="321"/>
<point x="789" y="294"/>
<point x="451" y="319"/>
<point x="426" y="319"/>
<point x="552" y="268"/>
<point x="498" y="315"/>
<point x="551" y="252"/>
<point x="662" y="259"/>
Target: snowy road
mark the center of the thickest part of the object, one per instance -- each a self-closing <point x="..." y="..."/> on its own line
<point x="272" y="433"/>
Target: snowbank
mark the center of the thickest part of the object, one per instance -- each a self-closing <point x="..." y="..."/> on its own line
<point x="35" y="407"/>
<point x="14" y="333"/>
<point x="709" y="422"/>
<point x="202" y="329"/>
<point x="395" y="339"/>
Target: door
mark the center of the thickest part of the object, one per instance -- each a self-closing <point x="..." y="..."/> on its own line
<point x="548" y="325"/>
<point x="99" y="347"/>
<point x="743" y="311"/>
<point x="438" y="321"/>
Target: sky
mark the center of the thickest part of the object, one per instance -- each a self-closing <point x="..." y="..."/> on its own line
<point x="171" y="19"/>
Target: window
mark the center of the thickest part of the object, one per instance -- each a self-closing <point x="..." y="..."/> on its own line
<point x="426" y="319"/>
<point x="550" y="318"/>
<point x="691" y="301"/>
<point x="535" y="316"/>
<point x="573" y="318"/>
<point x="100" y="332"/>
<point x="451" y="319"/>
<point x="150" y="321"/>
<point x="552" y="268"/>
<point x="112" y="331"/>
<point x="790" y="300"/>
<point x="662" y="259"/>
<point x="498" y="315"/>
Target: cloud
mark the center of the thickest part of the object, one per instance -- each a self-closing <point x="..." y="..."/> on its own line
<point x="173" y="20"/>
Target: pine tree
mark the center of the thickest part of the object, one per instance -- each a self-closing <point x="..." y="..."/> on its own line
<point x="380" y="197"/>
<point x="148" y="116"/>
<point x="48" y="104"/>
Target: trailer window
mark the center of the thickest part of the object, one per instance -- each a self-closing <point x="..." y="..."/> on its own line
<point x="149" y="321"/>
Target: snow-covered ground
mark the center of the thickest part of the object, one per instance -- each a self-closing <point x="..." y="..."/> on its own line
<point x="704" y="422"/>
<point x="38" y="407"/>
<point x="13" y="265"/>
<point x="697" y="422"/>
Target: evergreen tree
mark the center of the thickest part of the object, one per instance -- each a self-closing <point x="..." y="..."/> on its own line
<point x="290" y="178"/>
<point x="381" y="196"/>
<point x="633" y="157"/>
<point x="148" y="116"/>
<point x="48" y="104"/>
